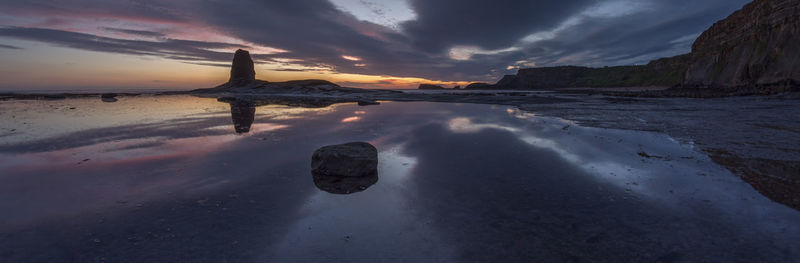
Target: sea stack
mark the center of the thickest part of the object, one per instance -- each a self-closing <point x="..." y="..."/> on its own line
<point x="242" y="69"/>
<point x="756" y="46"/>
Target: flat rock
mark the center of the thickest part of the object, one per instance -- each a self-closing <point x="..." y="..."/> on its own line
<point x="355" y="159"/>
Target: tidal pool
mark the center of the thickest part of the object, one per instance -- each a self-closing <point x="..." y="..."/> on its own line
<point x="181" y="178"/>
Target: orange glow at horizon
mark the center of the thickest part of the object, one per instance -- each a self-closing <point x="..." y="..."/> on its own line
<point x="42" y="66"/>
<point x="45" y="67"/>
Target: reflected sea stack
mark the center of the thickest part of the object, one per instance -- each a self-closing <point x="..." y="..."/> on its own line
<point x="243" y="115"/>
<point x="345" y="168"/>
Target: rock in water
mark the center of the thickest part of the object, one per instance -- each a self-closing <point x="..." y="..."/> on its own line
<point x="355" y="159"/>
<point x="242" y="70"/>
<point x="755" y="46"/>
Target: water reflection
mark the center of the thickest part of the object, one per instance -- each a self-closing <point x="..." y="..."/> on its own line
<point x="344" y="184"/>
<point x="243" y="114"/>
<point x="458" y="183"/>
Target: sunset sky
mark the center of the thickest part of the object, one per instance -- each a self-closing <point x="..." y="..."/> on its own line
<point x="138" y="44"/>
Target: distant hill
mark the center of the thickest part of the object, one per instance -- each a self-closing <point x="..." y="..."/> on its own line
<point x="430" y="87"/>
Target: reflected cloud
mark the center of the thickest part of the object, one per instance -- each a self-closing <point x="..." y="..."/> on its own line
<point x="465" y="125"/>
<point x="351" y="119"/>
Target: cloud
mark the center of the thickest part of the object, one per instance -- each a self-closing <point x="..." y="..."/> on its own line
<point x="9" y="46"/>
<point x="135" y="32"/>
<point x="634" y="37"/>
<point x="137" y="10"/>
<point x="167" y="48"/>
<point x="450" y="40"/>
<point x="221" y="65"/>
<point x="485" y="24"/>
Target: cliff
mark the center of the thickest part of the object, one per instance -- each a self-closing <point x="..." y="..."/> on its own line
<point x="662" y="72"/>
<point x="755" y="46"/>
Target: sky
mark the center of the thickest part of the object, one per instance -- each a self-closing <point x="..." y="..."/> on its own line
<point x="187" y="44"/>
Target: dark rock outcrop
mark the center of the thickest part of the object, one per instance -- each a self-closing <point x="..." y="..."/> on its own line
<point x="242" y="69"/>
<point x="457" y="87"/>
<point x="756" y="46"/>
<point x="430" y="87"/>
<point x="479" y="85"/>
<point x="353" y="159"/>
<point x="345" y="168"/>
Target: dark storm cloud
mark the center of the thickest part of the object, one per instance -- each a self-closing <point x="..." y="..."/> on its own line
<point x="9" y="46"/>
<point x="662" y="28"/>
<point x="318" y="34"/>
<point x="135" y="32"/>
<point x="167" y="48"/>
<point x="131" y="9"/>
<point x="310" y="29"/>
<point x="486" y="24"/>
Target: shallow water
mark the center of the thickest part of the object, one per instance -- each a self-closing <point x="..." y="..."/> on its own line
<point x="177" y="178"/>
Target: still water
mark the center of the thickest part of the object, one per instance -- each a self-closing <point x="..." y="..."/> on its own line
<point x="181" y="178"/>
